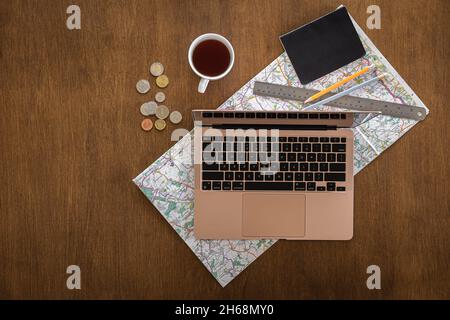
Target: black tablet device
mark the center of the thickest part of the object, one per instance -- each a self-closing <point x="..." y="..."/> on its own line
<point x="323" y="46"/>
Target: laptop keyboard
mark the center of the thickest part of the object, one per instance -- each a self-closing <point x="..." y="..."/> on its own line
<point x="274" y="163"/>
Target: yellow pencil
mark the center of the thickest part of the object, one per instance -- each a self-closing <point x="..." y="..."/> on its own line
<point x="338" y="84"/>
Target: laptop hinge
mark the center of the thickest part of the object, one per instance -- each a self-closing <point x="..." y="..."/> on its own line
<point x="274" y="126"/>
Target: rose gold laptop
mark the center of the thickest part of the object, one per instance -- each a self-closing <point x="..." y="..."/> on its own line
<point x="274" y="174"/>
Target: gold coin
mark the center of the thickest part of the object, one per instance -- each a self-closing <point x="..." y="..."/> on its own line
<point x="147" y="124"/>
<point x="162" y="111"/>
<point x="162" y="81"/>
<point x="160" y="124"/>
<point x="156" y="69"/>
<point x="175" y="117"/>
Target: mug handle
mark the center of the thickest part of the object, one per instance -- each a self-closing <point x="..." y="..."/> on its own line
<point x="202" y="85"/>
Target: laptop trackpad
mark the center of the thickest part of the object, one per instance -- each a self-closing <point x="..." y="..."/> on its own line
<point x="273" y="215"/>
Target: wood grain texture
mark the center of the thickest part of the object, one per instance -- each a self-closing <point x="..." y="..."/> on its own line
<point x="71" y="143"/>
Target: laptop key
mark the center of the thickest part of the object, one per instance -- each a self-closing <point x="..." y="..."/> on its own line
<point x="313" y="166"/>
<point x="321" y="157"/>
<point x="268" y="186"/>
<point x="316" y="147"/>
<point x="311" y="157"/>
<point x="297" y="147"/>
<point x="309" y="176"/>
<point x="338" y="147"/>
<point x="318" y="176"/>
<point x="340" y="188"/>
<point x="292" y="156"/>
<point x="211" y="175"/>
<point x="331" y="157"/>
<point x="259" y="176"/>
<point x="303" y="166"/>
<point x="341" y="157"/>
<point x="321" y="188"/>
<point x="249" y="175"/>
<point x="331" y="186"/>
<point x="226" y="185"/>
<point x="334" y="176"/>
<point x="239" y="175"/>
<point x="268" y="177"/>
<point x="229" y="175"/>
<point x="293" y="166"/>
<point x="279" y="176"/>
<point x="311" y="186"/>
<point x="217" y="185"/>
<point x="206" y="185"/>
<point x="300" y="186"/>
<point x="324" y="167"/>
<point x="306" y="147"/>
<point x="210" y="167"/>
<point x="301" y="157"/>
<point x="243" y="167"/>
<point x="299" y="176"/>
<point x="284" y="166"/>
<point x="288" y="176"/>
<point x="238" y="185"/>
<point x="326" y="147"/>
<point x="337" y="166"/>
<point x="286" y="147"/>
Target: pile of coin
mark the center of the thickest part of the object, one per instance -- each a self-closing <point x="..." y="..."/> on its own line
<point x="151" y="108"/>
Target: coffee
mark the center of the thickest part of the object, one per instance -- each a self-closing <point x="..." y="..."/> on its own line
<point x="211" y="58"/>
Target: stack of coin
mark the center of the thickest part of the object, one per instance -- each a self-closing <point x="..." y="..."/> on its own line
<point x="151" y="108"/>
<point x="148" y="108"/>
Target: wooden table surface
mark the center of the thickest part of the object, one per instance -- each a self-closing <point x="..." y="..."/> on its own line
<point x="71" y="143"/>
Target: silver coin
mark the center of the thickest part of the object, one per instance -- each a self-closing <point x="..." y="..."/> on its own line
<point x="148" y="108"/>
<point x="162" y="111"/>
<point x="160" y="97"/>
<point x="156" y="69"/>
<point x="175" y="117"/>
<point x="143" y="86"/>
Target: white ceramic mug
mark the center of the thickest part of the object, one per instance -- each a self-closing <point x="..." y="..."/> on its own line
<point x="204" y="78"/>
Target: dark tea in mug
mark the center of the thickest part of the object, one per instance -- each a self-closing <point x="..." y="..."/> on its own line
<point x="211" y="58"/>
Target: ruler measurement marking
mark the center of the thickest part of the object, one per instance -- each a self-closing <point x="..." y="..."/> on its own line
<point x="346" y="102"/>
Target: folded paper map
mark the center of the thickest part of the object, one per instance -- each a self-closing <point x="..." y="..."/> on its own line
<point x="168" y="183"/>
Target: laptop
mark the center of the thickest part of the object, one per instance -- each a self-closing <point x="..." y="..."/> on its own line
<point x="274" y="174"/>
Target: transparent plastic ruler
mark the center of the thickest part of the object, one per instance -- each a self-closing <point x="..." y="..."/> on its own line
<point x="347" y="102"/>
